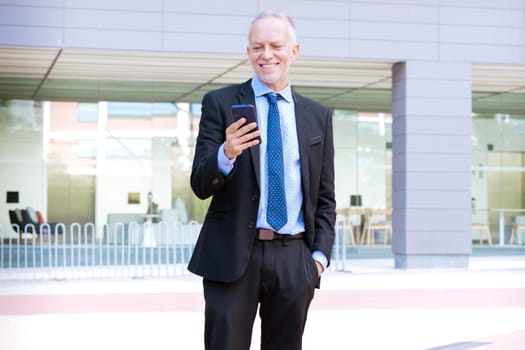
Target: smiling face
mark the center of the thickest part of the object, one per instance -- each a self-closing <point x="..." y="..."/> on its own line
<point x="271" y="49"/>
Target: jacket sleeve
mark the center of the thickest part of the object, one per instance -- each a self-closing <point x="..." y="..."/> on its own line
<point x="325" y="207"/>
<point x="206" y="178"/>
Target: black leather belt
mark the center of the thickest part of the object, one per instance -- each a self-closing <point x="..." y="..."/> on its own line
<point x="269" y="235"/>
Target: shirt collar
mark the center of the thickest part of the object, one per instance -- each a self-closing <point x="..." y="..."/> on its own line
<point x="261" y="89"/>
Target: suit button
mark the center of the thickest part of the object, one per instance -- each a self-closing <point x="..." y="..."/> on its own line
<point x="255" y="197"/>
<point x="215" y="181"/>
<point x="251" y="225"/>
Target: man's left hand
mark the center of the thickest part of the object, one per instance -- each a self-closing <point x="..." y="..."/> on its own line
<point x="319" y="268"/>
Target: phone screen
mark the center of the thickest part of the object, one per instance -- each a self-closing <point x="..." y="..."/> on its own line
<point x="244" y="111"/>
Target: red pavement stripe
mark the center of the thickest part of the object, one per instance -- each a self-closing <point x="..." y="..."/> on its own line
<point x="100" y="303"/>
<point x="420" y="298"/>
<point x="324" y="300"/>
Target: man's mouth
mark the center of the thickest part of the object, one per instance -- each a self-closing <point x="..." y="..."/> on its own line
<point x="268" y="65"/>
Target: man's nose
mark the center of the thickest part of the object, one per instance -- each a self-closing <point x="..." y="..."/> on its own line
<point x="268" y="52"/>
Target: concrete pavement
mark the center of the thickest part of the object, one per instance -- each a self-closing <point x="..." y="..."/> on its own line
<point x="369" y="306"/>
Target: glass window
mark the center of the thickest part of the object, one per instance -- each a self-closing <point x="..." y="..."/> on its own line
<point x="87" y="112"/>
<point x="129" y="110"/>
<point x="363" y="158"/>
<point x="498" y="171"/>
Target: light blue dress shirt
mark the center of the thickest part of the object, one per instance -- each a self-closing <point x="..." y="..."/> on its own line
<point x="292" y="176"/>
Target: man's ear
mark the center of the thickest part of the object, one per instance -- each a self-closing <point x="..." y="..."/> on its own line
<point x="295" y="51"/>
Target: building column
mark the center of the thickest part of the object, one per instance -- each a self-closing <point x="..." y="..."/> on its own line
<point x="431" y="108"/>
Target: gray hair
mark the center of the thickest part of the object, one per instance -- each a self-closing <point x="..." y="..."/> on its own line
<point x="280" y="15"/>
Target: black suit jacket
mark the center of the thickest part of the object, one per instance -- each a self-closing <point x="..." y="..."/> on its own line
<point x="226" y="240"/>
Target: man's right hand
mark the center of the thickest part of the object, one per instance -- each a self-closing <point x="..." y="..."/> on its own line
<point x="240" y="136"/>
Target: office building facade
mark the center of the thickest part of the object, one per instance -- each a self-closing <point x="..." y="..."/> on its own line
<point x="429" y="101"/>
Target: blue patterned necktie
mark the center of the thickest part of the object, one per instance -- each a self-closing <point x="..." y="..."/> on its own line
<point x="276" y="209"/>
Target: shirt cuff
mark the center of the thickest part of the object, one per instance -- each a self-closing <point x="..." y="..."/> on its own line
<point x="225" y="164"/>
<point x="321" y="258"/>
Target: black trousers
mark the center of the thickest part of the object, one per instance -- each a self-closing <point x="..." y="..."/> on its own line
<point x="280" y="278"/>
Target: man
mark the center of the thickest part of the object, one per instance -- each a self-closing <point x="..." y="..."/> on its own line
<point x="246" y="259"/>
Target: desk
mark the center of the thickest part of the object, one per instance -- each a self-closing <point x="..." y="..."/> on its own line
<point x="355" y="211"/>
<point x="366" y="225"/>
<point x="148" y="240"/>
<point x="377" y="220"/>
<point x="501" y="220"/>
<point x="352" y="211"/>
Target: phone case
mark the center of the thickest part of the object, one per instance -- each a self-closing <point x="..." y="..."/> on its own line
<point x="244" y="111"/>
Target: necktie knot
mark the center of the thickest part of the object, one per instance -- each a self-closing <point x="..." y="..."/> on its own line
<point x="272" y="98"/>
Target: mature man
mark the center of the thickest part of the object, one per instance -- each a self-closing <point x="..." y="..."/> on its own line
<point x="269" y="230"/>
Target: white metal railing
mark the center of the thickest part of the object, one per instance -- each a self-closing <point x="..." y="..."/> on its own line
<point x="339" y="255"/>
<point x="85" y="251"/>
<point x="122" y="251"/>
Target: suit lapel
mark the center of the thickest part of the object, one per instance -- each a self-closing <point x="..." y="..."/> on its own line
<point x="301" y="120"/>
<point x="246" y="96"/>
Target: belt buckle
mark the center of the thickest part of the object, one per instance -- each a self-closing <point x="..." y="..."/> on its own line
<point x="265" y="235"/>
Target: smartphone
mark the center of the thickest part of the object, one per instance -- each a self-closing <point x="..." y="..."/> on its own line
<point x="244" y="111"/>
